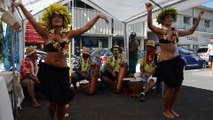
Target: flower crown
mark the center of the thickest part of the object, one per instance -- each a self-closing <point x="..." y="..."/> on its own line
<point x="167" y="11"/>
<point x="57" y="9"/>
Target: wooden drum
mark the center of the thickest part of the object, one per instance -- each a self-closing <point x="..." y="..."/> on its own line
<point x="92" y="86"/>
<point x="136" y="87"/>
<point x="121" y="75"/>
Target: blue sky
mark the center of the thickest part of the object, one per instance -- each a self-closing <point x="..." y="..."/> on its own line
<point x="209" y="4"/>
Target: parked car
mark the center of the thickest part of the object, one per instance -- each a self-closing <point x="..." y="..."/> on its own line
<point x="100" y="56"/>
<point x="202" y="52"/>
<point x="41" y="55"/>
<point x="141" y="53"/>
<point x="191" y="58"/>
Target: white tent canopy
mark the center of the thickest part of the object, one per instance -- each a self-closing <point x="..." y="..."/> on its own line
<point x="131" y="11"/>
<point x="37" y="6"/>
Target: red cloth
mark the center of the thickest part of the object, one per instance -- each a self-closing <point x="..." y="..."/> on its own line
<point x="26" y="68"/>
<point x="150" y="55"/>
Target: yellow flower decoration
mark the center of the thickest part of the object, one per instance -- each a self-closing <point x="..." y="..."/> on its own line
<point x="57" y="9"/>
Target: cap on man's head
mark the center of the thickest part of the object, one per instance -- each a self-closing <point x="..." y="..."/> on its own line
<point x="133" y="34"/>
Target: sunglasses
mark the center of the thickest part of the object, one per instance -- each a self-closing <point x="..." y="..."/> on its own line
<point x="115" y="49"/>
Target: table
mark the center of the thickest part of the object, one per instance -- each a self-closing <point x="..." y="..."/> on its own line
<point x="8" y="77"/>
<point x="5" y="104"/>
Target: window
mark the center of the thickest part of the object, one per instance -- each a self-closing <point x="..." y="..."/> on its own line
<point x="202" y="50"/>
<point x="195" y="47"/>
<point x="186" y="20"/>
<point x="207" y="23"/>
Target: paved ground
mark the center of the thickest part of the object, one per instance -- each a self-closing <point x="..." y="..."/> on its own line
<point x="194" y="103"/>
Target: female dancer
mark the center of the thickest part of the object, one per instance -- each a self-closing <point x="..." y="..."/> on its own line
<point x="170" y="67"/>
<point x="54" y="73"/>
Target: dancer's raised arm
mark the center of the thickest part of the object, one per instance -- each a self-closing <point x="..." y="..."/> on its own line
<point x="39" y="28"/>
<point x="194" y="27"/>
<point x="153" y="28"/>
<point x="78" y="32"/>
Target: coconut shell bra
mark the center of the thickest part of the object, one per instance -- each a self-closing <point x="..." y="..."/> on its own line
<point x="166" y="37"/>
<point x="56" y="46"/>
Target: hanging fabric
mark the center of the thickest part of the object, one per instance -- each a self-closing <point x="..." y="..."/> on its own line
<point x="8" y="47"/>
<point x="7" y="50"/>
<point x="1" y="41"/>
<point x="16" y="50"/>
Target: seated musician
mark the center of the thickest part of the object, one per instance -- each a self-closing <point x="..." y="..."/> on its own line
<point x="28" y="74"/>
<point x="147" y="68"/>
<point x="82" y="70"/>
<point x="112" y="66"/>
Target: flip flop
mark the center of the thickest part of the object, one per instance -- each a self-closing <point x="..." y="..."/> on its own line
<point x="168" y="116"/>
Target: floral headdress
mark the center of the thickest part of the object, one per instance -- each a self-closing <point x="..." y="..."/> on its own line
<point x="57" y="9"/>
<point x="167" y="11"/>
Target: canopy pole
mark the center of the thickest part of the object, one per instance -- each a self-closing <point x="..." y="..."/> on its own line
<point x="14" y="97"/>
<point x="126" y="41"/>
<point x="73" y="26"/>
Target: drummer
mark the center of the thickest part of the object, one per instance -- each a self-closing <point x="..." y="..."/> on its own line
<point x="112" y="65"/>
<point x="147" y="68"/>
<point x="82" y="69"/>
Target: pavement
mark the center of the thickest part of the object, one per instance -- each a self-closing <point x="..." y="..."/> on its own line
<point x="194" y="103"/>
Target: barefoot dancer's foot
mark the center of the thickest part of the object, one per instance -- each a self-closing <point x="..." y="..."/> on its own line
<point x="67" y="114"/>
<point x="67" y="106"/>
<point x="168" y="115"/>
<point x="174" y="113"/>
<point x="36" y="105"/>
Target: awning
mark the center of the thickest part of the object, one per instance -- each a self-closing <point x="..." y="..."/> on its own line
<point x="37" y="6"/>
<point x="132" y="11"/>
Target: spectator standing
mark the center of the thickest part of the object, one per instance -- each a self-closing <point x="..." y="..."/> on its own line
<point x="210" y="54"/>
<point x="133" y="52"/>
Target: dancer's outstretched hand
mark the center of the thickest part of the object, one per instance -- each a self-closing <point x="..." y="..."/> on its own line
<point x="149" y="6"/>
<point x="104" y="17"/>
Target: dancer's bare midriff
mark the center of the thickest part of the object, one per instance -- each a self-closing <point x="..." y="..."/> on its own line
<point x="57" y="59"/>
<point x="168" y="51"/>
